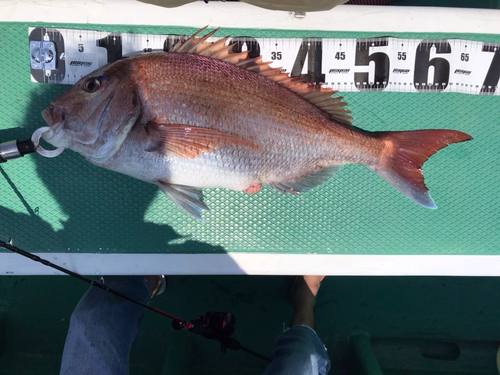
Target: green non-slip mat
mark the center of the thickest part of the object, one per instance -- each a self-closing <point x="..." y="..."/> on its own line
<point x="68" y="205"/>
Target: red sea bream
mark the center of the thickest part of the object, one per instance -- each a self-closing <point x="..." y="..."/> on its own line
<point x="202" y="116"/>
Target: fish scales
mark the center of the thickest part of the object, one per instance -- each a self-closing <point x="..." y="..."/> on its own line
<point x="185" y="122"/>
<point x="204" y="92"/>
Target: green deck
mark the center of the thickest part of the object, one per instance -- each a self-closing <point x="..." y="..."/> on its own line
<point x="68" y="205"/>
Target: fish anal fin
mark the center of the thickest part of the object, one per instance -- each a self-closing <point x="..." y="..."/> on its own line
<point x="186" y="197"/>
<point x="189" y="141"/>
<point x="306" y="183"/>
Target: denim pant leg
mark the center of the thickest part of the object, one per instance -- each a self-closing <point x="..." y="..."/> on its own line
<point x="103" y="328"/>
<point x="299" y="351"/>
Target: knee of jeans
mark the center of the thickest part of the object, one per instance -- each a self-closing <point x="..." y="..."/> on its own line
<point x="79" y="315"/>
<point x="293" y="339"/>
<point x="89" y="304"/>
<point x="302" y="340"/>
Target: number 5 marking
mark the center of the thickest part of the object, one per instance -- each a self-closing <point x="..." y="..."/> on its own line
<point x="382" y="65"/>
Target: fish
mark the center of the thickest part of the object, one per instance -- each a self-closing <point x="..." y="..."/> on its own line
<point x="204" y="116"/>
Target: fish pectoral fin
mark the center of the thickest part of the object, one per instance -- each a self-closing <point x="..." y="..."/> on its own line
<point x="306" y="183"/>
<point x="186" y="197"/>
<point x="189" y="141"/>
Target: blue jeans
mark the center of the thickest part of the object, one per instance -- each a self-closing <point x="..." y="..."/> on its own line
<point x="103" y="328"/>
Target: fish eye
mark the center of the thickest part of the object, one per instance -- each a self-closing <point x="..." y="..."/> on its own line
<point x="92" y="84"/>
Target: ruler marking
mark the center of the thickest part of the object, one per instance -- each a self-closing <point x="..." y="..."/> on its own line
<point x="346" y="64"/>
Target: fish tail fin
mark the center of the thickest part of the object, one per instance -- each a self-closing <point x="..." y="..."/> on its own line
<point x="406" y="152"/>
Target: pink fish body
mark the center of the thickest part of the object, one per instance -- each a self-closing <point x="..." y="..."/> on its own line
<point x="204" y="117"/>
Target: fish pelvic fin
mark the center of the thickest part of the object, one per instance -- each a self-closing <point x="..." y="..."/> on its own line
<point x="315" y="93"/>
<point x="404" y="154"/>
<point x="306" y="183"/>
<point x="186" y="197"/>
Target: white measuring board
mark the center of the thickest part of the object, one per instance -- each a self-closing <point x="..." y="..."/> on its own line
<point x="348" y="64"/>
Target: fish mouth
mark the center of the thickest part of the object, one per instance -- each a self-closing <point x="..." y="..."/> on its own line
<point x="53" y="116"/>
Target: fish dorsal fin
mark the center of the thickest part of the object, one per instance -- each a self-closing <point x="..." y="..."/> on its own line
<point x="321" y="97"/>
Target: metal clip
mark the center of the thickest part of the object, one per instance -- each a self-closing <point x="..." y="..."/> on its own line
<point x="35" y="138"/>
<point x="15" y="149"/>
<point x="8" y="151"/>
<point x="43" y="55"/>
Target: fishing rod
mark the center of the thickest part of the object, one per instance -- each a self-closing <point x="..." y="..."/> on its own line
<point x="213" y="325"/>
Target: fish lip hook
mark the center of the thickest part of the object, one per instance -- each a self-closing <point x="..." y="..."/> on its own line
<point x="35" y="138"/>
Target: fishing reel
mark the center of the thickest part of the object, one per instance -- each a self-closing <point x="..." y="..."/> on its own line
<point x="214" y="326"/>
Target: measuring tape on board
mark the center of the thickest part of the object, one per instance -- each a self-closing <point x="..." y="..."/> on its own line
<point x="368" y="64"/>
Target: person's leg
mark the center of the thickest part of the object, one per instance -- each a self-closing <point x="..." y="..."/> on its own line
<point x="299" y="350"/>
<point x="103" y="327"/>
